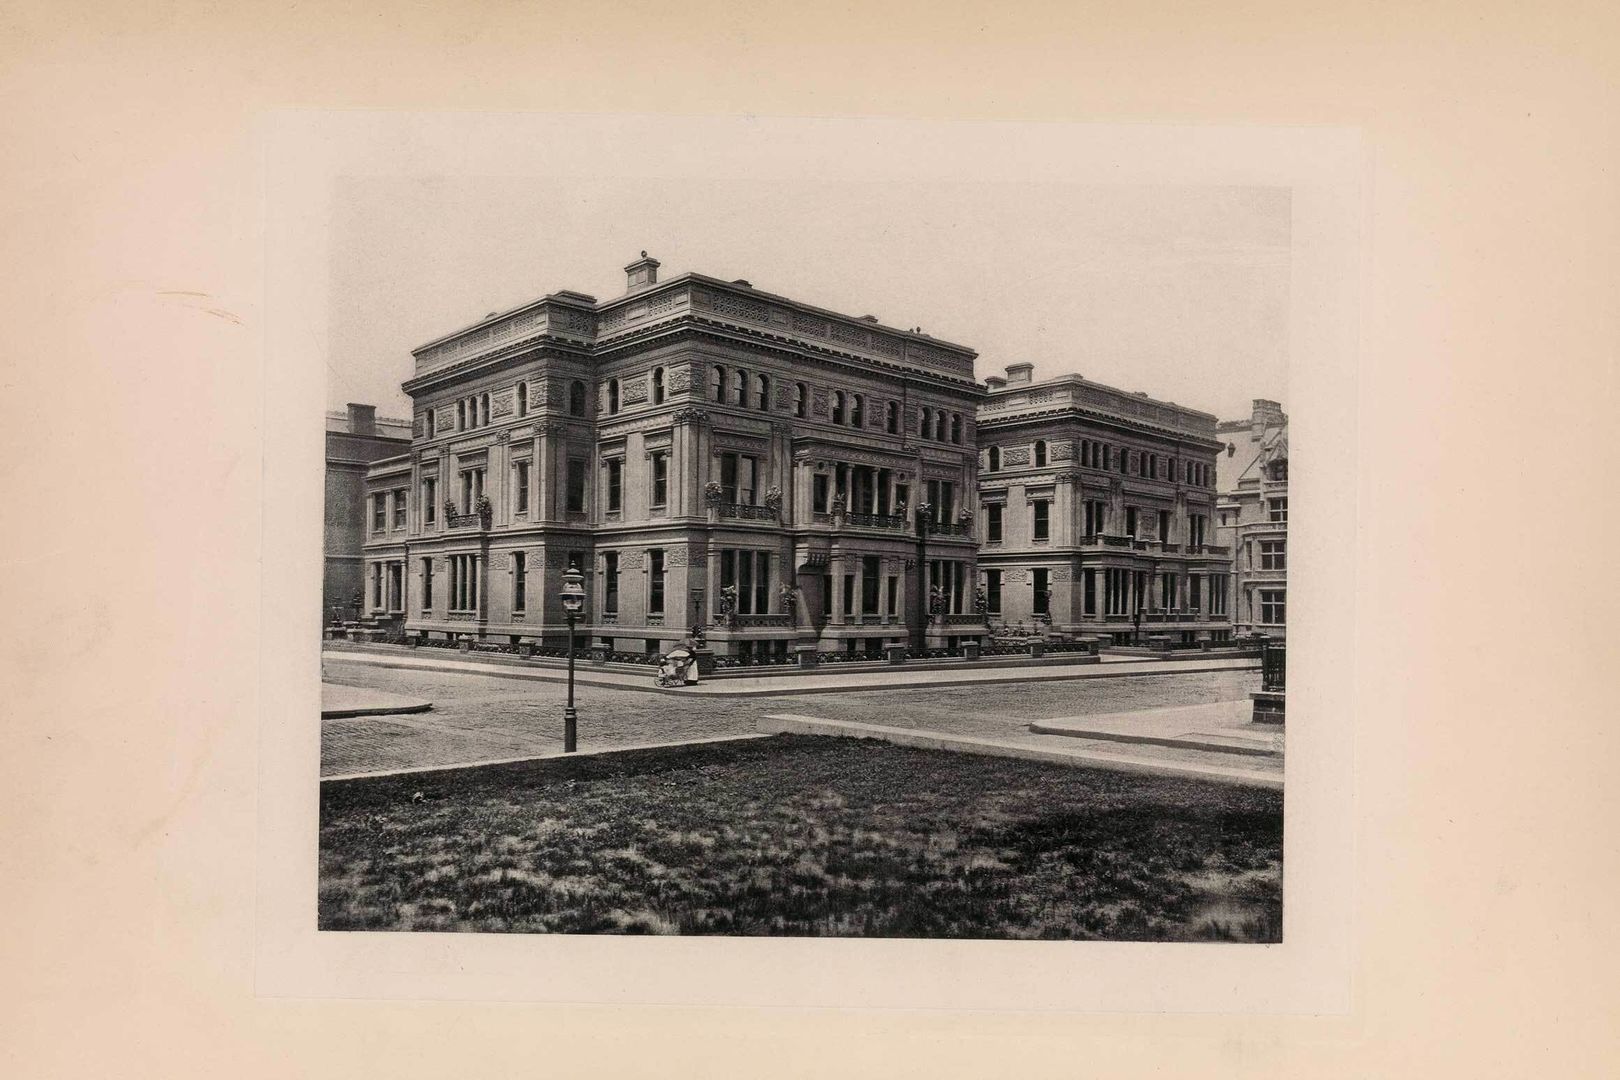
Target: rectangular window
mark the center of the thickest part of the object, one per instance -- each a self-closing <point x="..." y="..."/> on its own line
<point x="1043" y="519"/>
<point x="1273" y="607"/>
<point x="472" y="487"/>
<point x="992" y="523"/>
<point x="376" y="586"/>
<point x="1195" y="594"/>
<point x="1043" y="591"/>
<point x="520" y="487"/>
<point x="1197" y="530"/>
<point x="992" y="592"/>
<point x="818" y="493"/>
<point x="1094" y="516"/>
<point x="745" y="582"/>
<point x="660" y="479"/>
<point x="427" y="585"/>
<point x="576" y="485"/>
<point x="894" y="595"/>
<point x="762" y="582"/>
<point x="1168" y="599"/>
<point x="615" y="484"/>
<point x="1217" y="595"/>
<point x="1090" y="592"/>
<point x="1277" y="509"/>
<point x="1164" y="526"/>
<point x="396" y="586"/>
<point x="1130" y="521"/>
<point x="430" y="501"/>
<point x="399" y="508"/>
<point x="826" y="594"/>
<point x="520" y="581"/>
<point x="849" y="594"/>
<point x="1273" y="555"/>
<point x="379" y="512"/>
<point x="655" y="581"/>
<point x="610" y="583"/>
<point x="738" y="478"/>
<point x="871" y="581"/>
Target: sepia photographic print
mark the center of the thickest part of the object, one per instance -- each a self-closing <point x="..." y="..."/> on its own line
<point x="806" y="556"/>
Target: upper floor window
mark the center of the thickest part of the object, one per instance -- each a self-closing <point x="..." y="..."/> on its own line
<point x="993" y="459"/>
<point x="738" y="477"/>
<point x="658" y="386"/>
<point x="520" y="486"/>
<point x="660" y="479"/>
<point x="857" y="410"/>
<point x="717" y="384"/>
<point x="576" y="398"/>
<point x="1277" y="509"/>
<point x="615" y="484"/>
<point x="762" y="391"/>
<point x="1043" y="519"/>
<point x="1279" y="470"/>
<point x="1273" y="607"/>
<point x="1273" y="555"/>
<point x="940" y="426"/>
<point x="739" y="387"/>
<point x="576" y="486"/>
<point x="399" y="509"/>
<point x="838" y="407"/>
<point x="891" y="418"/>
<point x="523" y="399"/>
<point x="800" y="400"/>
<point x="379" y="512"/>
<point x="1040" y="453"/>
<point x="461" y="415"/>
<point x="956" y="428"/>
<point x="613" y="396"/>
<point x="927" y="423"/>
<point x="430" y="500"/>
<point x="483" y="409"/>
<point x="427" y="422"/>
<point x="992" y="523"/>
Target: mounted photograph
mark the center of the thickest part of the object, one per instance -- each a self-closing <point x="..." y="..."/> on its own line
<point x="814" y="559"/>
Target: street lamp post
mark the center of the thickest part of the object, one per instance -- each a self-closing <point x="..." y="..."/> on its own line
<point x="573" y="600"/>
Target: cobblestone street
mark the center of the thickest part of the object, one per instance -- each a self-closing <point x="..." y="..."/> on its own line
<point x="482" y="718"/>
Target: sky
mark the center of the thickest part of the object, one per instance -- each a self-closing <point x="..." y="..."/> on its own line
<point x="1178" y="291"/>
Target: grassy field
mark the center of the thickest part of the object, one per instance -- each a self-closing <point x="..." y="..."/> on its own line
<point x="803" y="835"/>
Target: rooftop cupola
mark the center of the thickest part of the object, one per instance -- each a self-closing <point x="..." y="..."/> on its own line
<point x="641" y="274"/>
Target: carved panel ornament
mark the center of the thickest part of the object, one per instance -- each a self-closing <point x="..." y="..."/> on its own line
<point x="421" y="427"/>
<point x="500" y="403"/>
<point x="631" y="559"/>
<point x="1060" y="573"/>
<point x="675" y="556"/>
<point x="680" y="380"/>
<point x="819" y="405"/>
<point x="784" y="397"/>
<point x="503" y="437"/>
<point x="1061" y="451"/>
<point x="635" y="390"/>
<point x="1018" y="455"/>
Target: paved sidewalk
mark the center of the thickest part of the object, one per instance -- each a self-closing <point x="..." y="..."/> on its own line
<point x="1223" y="727"/>
<point x="894" y="678"/>
<point x="338" y="702"/>
<point x="1059" y="751"/>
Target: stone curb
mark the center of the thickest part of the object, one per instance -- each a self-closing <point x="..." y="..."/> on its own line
<point x="792" y="724"/>
<point x="1184" y="742"/>
<point x="603" y="752"/>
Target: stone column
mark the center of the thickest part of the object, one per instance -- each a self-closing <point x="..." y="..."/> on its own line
<point x="835" y="567"/>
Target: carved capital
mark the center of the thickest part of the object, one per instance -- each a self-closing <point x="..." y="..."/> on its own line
<point x="689" y="416"/>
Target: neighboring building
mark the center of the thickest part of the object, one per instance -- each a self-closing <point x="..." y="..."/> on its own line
<point x="354" y="440"/>
<point x="1097" y="511"/>
<point x="1252" y="517"/>
<point x="703" y="452"/>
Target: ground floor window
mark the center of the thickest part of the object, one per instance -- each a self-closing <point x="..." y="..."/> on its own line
<point x="1043" y="591"/>
<point x="749" y="572"/>
<point x="427" y="584"/>
<point x="1217" y="595"/>
<point x="464" y="582"/>
<point x="992" y="592"/>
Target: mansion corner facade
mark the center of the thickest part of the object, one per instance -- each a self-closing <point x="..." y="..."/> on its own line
<point x="785" y="478"/>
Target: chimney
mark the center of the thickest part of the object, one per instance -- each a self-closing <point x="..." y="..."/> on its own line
<point x="362" y="419"/>
<point x="995" y="382"/>
<point x="1264" y="414"/>
<point x="641" y="274"/>
<point x="1019" y="374"/>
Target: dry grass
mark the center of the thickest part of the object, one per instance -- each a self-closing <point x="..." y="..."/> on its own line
<point x="802" y="835"/>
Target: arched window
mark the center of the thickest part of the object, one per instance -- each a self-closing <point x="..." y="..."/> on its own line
<point x="739" y="387"/>
<point x="658" y="386"/>
<point x="927" y="423"/>
<point x="1040" y="453"/>
<point x="956" y="428"/>
<point x="939" y="426"/>
<point x="891" y="418"/>
<point x="717" y="384"/>
<point x="428" y="423"/>
<point x="762" y="387"/>
<point x="857" y="410"/>
<point x="838" y="407"/>
<point x="483" y="409"/>
<point x="523" y="399"/>
<point x="995" y="458"/>
<point x="801" y="399"/>
<point x="613" y="395"/>
<point x="576" y="398"/>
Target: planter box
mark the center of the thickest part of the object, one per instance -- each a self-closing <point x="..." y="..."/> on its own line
<point x="1037" y="648"/>
<point x="970" y="650"/>
<point x="897" y="654"/>
<point x="806" y="655"/>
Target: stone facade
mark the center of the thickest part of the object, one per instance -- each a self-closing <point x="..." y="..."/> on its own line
<point x="354" y="440"/>
<point x="706" y="453"/>
<point x="1252" y="517"/>
<point x="1097" y="512"/>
